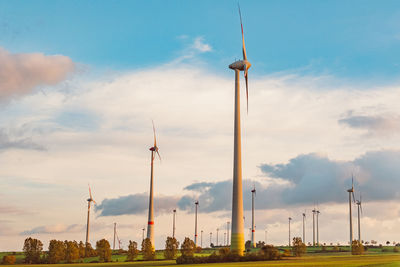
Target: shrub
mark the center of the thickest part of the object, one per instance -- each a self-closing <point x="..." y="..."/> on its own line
<point x="269" y="252"/>
<point x="132" y="251"/>
<point x="225" y="255"/>
<point x="357" y="248"/>
<point x="299" y="248"/>
<point x="171" y="248"/>
<point x="148" y="250"/>
<point x="335" y="248"/>
<point x="286" y="253"/>
<point x="103" y="250"/>
<point x="396" y="249"/>
<point x="8" y="259"/>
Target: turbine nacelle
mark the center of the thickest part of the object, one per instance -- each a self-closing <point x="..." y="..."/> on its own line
<point x="241" y="65"/>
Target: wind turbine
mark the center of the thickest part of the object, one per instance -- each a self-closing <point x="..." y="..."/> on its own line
<point x="115" y="232"/>
<point x="289" y="229"/>
<point x="304" y="227"/>
<point x="351" y="193"/>
<point x="358" y="202"/>
<point x="317" y="228"/>
<point x="173" y="223"/>
<point x="237" y="233"/>
<point x="195" y="224"/>
<point x="89" y="200"/>
<point x="253" y="194"/>
<point x="150" y="221"/>
<point x="313" y="225"/>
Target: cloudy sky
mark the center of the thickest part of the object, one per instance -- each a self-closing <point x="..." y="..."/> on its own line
<point x="80" y="83"/>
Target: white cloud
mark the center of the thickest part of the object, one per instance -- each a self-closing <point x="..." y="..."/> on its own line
<point x="193" y="112"/>
<point x="21" y="73"/>
<point x="200" y="45"/>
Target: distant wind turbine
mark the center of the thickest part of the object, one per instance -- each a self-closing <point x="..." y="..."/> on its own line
<point x="173" y="223"/>
<point x="304" y="227"/>
<point x="359" y="206"/>
<point x="253" y="194"/>
<point x="318" y="228"/>
<point x="150" y="221"/>
<point x="313" y="225"/>
<point x="195" y="224"/>
<point x="237" y="233"/>
<point x="351" y="194"/>
<point x="289" y="230"/>
<point x="89" y="200"/>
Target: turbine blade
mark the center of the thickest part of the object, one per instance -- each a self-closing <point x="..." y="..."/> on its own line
<point x="246" y="76"/>
<point x="241" y="25"/>
<point x="354" y="199"/>
<point x="154" y="133"/>
<point x="158" y="154"/>
<point x="90" y="192"/>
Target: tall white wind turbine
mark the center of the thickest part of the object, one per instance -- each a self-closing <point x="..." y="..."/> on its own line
<point x="150" y="221"/>
<point x="351" y="194"/>
<point x="237" y="233"/>
<point x="89" y="200"/>
<point x="253" y="228"/>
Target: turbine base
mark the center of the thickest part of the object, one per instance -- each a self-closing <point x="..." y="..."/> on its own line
<point x="237" y="243"/>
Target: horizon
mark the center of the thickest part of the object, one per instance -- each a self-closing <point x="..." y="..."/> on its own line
<point x="81" y="84"/>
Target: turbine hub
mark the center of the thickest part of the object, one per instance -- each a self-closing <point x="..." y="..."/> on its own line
<point x="240" y="65"/>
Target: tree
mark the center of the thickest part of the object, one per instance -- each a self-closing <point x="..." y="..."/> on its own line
<point x="187" y="248"/>
<point x="71" y="251"/>
<point x="82" y="249"/>
<point x="260" y="244"/>
<point x="171" y="248"/>
<point x="387" y="243"/>
<point x="299" y="248"/>
<point x="56" y="251"/>
<point x="90" y="251"/>
<point x="148" y="250"/>
<point x="357" y="248"/>
<point x="32" y="250"/>
<point x="132" y="250"/>
<point x="247" y="245"/>
<point x="8" y="259"/>
<point x="103" y="250"/>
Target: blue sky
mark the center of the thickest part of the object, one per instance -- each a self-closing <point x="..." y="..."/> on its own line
<point x="349" y="39"/>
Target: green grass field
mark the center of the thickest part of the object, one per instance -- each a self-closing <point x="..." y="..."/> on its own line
<point x="314" y="257"/>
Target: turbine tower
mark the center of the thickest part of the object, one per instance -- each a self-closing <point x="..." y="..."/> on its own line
<point x="313" y="226"/>
<point x="253" y="194"/>
<point x="115" y="231"/>
<point x="317" y="228"/>
<point x="237" y="232"/>
<point x="351" y="193"/>
<point x="358" y="202"/>
<point x="289" y="229"/>
<point x="173" y="224"/>
<point x="150" y="221"/>
<point x="89" y="200"/>
<point x="304" y="227"/>
<point x="195" y="224"/>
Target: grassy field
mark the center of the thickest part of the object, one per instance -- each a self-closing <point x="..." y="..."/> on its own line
<point x="314" y="257"/>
